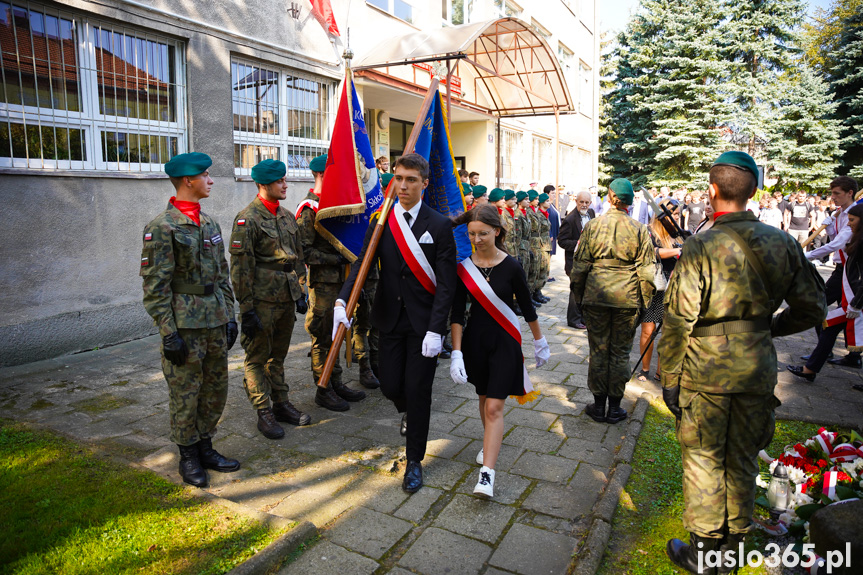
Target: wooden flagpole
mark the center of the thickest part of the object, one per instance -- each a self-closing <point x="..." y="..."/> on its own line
<point x="366" y="264"/>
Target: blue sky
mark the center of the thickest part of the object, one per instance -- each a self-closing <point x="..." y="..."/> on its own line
<point x="614" y="14"/>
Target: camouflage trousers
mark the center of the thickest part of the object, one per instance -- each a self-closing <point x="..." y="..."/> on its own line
<point x="610" y="331"/>
<point x="365" y="337"/>
<point x="264" y="378"/>
<point x="545" y="266"/>
<point x="524" y="260"/>
<point x="720" y="436"/>
<point x="198" y="390"/>
<point x="535" y="266"/>
<point x="319" y="324"/>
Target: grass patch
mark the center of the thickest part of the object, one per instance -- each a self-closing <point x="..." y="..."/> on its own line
<point x="650" y="510"/>
<point x="102" y="403"/>
<point x="41" y="404"/>
<point x="65" y="510"/>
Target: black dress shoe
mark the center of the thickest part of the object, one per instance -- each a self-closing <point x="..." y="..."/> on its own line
<point x="806" y="357"/>
<point x="212" y="459"/>
<point x="686" y="556"/>
<point x="413" y="477"/>
<point x="847" y="361"/>
<point x="403" y="428"/>
<point x="190" y="466"/>
<point x="798" y="371"/>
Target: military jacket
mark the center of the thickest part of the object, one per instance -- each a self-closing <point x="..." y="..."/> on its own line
<point x="512" y="242"/>
<point x="614" y="263"/>
<point x="524" y="224"/>
<point x="180" y="256"/>
<point x="260" y="242"/>
<point x="544" y="231"/>
<point x="325" y="263"/>
<point x="714" y="283"/>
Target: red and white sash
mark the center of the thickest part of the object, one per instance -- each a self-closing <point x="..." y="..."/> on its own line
<point x="853" y="327"/>
<point x="497" y="309"/>
<point x="411" y="252"/>
<point x="307" y="202"/>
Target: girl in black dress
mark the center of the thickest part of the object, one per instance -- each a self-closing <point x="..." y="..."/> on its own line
<point x="488" y="351"/>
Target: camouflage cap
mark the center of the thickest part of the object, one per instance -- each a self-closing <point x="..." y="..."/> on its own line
<point x="739" y="160"/>
<point x="190" y="164"/>
<point x="268" y="171"/>
<point x="622" y="188"/>
<point x="319" y="164"/>
<point x="495" y="195"/>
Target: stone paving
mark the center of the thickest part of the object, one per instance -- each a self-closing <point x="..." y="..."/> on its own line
<point x="343" y="473"/>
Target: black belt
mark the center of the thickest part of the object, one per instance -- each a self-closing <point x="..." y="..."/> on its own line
<point x="614" y="263"/>
<point x="729" y="327"/>
<point x="276" y="267"/>
<point x="192" y="289"/>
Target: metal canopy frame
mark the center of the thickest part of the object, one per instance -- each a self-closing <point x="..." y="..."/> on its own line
<point x="512" y="69"/>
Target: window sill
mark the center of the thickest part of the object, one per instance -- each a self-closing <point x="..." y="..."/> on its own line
<point x="83" y="174"/>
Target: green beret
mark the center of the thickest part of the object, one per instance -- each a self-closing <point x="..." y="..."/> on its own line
<point x="740" y="160"/>
<point x="319" y="164"/>
<point x="466" y="190"/>
<point x="495" y="195"/>
<point x="508" y="194"/>
<point x="520" y="196"/>
<point x="385" y="180"/>
<point x="479" y="191"/>
<point x="543" y="197"/>
<point x="190" y="164"/>
<point x="623" y="190"/>
<point x="532" y="194"/>
<point x="268" y="171"/>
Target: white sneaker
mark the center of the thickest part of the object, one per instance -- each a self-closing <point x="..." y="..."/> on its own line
<point x="485" y="485"/>
<point x="479" y="458"/>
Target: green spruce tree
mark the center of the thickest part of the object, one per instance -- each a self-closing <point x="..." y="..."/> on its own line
<point x="846" y="79"/>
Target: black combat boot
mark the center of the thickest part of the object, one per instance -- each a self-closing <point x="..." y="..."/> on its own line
<point x="190" y="466"/>
<point x="268" y="426"/>
<point x="368" y="379"/>
<point x="536" y="303"/>
<point x="730" y="550"/>
<point x="686" y="556"/>
<point x="346" y="392"/>
<point x="615" y="413"/>
<point x="597" y="411"/>
<point x="327" y="398"/>
<point x="285" y="411"/>
<point x="542" y="297"/>
<point x="212" y="459"/>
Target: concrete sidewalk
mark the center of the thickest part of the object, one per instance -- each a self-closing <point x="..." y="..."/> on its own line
<point x="552" y="504"/>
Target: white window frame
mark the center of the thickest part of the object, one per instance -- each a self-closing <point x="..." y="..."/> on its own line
<point x="507" y="9"/>
<point x="512" y="161"/>
<point x="390" y="9"/>
<point x="542" y="165"/>
<point x="585" y="89"/>
<point x="89" y="119"/>
<point x="281" y="140"/>
<point x="467" y="5"/>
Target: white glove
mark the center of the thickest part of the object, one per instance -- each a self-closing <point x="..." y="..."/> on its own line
<point x="852" y="313"/>
<point x="339" y="316"/>
<point x="432" y="344"/>
<point x="456" y="368"/>
<point x="541" y="351"/>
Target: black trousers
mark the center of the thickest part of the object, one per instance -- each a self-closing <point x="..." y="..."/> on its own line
<point x="406" y="379"/>
<point x="833" y="294"/>
<point x="573" y="311"/>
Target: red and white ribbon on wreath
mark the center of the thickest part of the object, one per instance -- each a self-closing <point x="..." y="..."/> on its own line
<point x="825" y="439"/>
<point x="412" y="252"/>
<point x="845" y="452"/>
<point x="497" y="309"/>
<point x="830" y="479"/>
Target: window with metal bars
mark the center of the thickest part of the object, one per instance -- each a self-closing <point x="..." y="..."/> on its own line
<point x="543" y="161"/>
<point x="510" y="157"/>
<point x="280" y="114"/>
<point x="79" y="94"/>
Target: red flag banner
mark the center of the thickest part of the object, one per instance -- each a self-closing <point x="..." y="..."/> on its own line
<point x="322" y="10"/>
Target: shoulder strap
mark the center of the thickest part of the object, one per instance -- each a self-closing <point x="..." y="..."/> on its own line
<point x="747" y="251"/>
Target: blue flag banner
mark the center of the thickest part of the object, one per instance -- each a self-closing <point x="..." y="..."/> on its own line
<point x="350" y="181"/>
<point x="444" y="192"/>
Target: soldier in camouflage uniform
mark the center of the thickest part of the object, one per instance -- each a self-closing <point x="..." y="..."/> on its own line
<point x="535" y="248"/>
<point x="188" y="295"/>
<point x="509" y="217"/>
<point x="612" y="278"/>
<point x="327" y="271"/>
<point x="718" y="359"/>
<point x="545" y="244"/>
<point x="523" y="203"/>
<point x="268" y="274"/>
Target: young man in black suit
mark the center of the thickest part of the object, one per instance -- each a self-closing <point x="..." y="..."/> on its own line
<point x="417" y="256"/>
<point x="570" y="233"/>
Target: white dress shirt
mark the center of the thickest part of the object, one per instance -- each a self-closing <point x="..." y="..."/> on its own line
<point x="414" y="212"/>
<point x="837" y="243"/>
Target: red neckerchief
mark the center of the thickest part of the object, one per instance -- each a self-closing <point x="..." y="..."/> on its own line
<point x="191" y="210"/>
<point x="272" y="207"/>
<point x="511" y="211"/>
<point x="717" y="214"/>
<point x="523" y="211"/>
<point x="544" y="212"/>
<point x="533" y="208"/>
<point x="500" y="211"/>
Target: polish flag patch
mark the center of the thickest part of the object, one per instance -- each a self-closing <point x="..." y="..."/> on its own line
<point x="241" y="222"/>
<point x="148" y="236"/>
<point x="145" y="261"/>
<point x="236" y="244"/>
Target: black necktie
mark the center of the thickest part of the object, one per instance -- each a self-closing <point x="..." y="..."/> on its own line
<point x="408" y="218"/>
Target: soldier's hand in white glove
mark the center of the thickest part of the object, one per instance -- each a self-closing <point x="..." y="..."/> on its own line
<point x="456" y="368"/>
<point x="541" y="351"/>
<point x="340" y="317"/>
<point x="432" y="344"/>
<point x="852" y="313"/>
